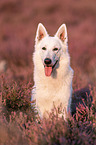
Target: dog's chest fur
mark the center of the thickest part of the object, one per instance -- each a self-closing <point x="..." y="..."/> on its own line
<point x="55" y="90"/>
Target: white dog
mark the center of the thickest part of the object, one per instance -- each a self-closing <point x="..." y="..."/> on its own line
<point x="52" y="72"/>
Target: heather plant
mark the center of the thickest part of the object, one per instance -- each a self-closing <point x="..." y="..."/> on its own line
<point x="18" y="123"/>
<point x="21" y="121"/>
<point x="16" y="97"/>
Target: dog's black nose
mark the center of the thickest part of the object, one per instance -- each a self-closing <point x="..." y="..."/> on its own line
<point x="47" y="61"/>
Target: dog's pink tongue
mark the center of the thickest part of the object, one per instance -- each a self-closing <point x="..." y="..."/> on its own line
<point x="48" y="71"/>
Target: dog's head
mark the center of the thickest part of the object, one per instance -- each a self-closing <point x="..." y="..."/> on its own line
<point x="51" y="48"/>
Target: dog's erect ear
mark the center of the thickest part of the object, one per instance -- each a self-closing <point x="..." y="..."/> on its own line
<point x="41" y="32"/>
<point x="62" y="33"/>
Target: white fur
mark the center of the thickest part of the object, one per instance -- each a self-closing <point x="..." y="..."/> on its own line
<point x="56" y="88"/>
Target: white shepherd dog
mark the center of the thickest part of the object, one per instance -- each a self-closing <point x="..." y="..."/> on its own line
<point x="52" y="72"/>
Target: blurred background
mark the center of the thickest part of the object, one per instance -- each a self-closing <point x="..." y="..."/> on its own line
<point x="18" y="24"/>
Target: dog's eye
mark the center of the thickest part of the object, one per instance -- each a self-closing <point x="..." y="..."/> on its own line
<point x="43" y="48"/>
<point x="55" y="49"/>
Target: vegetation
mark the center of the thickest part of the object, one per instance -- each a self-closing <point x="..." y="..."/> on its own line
<point x="19" y="122"/>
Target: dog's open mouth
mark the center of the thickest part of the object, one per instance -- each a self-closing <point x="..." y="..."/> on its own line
<point x="49" y="69"/>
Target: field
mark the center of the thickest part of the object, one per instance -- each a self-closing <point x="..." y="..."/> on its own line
<point x="18" y="23"/>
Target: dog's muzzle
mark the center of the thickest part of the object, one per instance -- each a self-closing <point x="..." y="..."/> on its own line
<point x="48" y="66"/>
